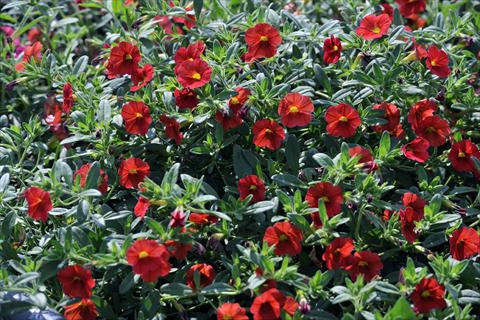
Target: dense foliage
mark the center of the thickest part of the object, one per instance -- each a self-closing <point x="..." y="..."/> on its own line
<point x="239" y="159"/>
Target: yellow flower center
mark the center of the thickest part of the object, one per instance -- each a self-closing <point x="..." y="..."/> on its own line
<point x="293" y="109"/>
<point x="133" y="170"/>
<point x="234" y="100"/>
<point x="376" y="30"/>
<point x="363" y="264"/>
<point x="426" y="294"/>
<point x="461" y="154"/>
<point x="227" y="317"/>
<point x="252" y="187"/>
<point x="263" y="38"/>
<point x="268" y="131"/>
<point x="283" y="237"/>
<point x="335" y="48"/>
<point x="142" y="254"/>
<point x="433" y="63"/>
<point x="431" y="129"/>
<point x="128" y="57"/>
<point x="138" y="115"/>
<point x="343" y="119"/>
<point x="325" y="199"/>
<point x="196" y="76"/>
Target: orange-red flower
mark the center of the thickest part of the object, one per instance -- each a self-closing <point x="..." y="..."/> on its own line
<point x="374" y="27"/>
<point x="141" y="207"/>
<point x="202" y="218"/>
<point x="421" y="110"/>
<point x="461" y="155"/>
<point x="178" y="249"/>
<point x="295" y="110"/>
<point x="85" y="309"/>
<point x="411" y="7"/>
<point x="76" y="281"/>
<point x="34" y="51"/>
<point x="269" y="305"/>
<point x="365" y="158"/>
<point x="149" y="259"/>
<point x="331" y="195"/>
<point x="414" y="201"/>
<point x="408" y="217"/>
<point x="136" y="116"/>
<point x="268" y="134"/>
<point x="236" y="102"/>
<point x="464" y="243"/>
<point x="285" y="237"/>
<point x="262" y="41"/>
<point x="172" y="128"/>
<point x="366" y="263"/>
<point x="124" y="59"/>
<point x="428" y="295"/>
<point x="342" y="120"/>
<point x="437" y="62"/>
<point x="190" y="53"/>
<point x="186" y="98"/>
<point x="206" y="273"/>
<point x="102" y="185"/>
<point x="193" y="74"/>
<point x="332" y="48"/>
<point x="392" y="115"/>
<point x="434" y="129"/>
<point x="229" y="119"/>
<point x="337" y="253"/>
<point x="67" y="98"/>
<point x="141" y="77"/>
<point x="251" y="185"/>
<point x="132" y="172"/>
<point x="417" y="150"/>
<point x="231" y="311"/>
<point x="39" y="203"/>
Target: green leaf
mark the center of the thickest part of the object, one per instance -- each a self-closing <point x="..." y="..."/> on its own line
<point x="244" y="162"/>
<point x="323" y="160"/>
<point x="93" y="176"/>
<point x="292" y="152"/>
<point x="400" y="311"/>
<point x="176" y="289"/>
<point x="384" y="145"/>
<point x="80" y="65"/>
<point x="288" y="180"/>
<point x="197" y="7"/>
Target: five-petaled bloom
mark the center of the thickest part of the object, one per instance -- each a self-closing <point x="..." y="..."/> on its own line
<point x="331" y="195"/>
<point x="332" y="48"/>
<point x="374" y="27"/>
<point x="342" y="120"/>
<point x="338" y="252"/>
<point x="251" y="185"/>
<point x="417" y="150"/>
<point x="409" y="8"/>
<point x="434" y="129"/>
<point x="286" y="238"/>
<point x="464" y="243"/>
<point x="85" y="309"/>
<point x="231" y="311"/>
<point x="206" y="275"/>
<point x="269" y="305"/>
<point x="268" y="134"/>
<point x="461" y="155"/>
<point x="262" y="41"/>
<point x="76" y="281"/>
<point x="124" y="59"/>
<point x="366" y="263"/>
<point x="186" y="98"/>
<point x="132" y="172"/>
<point x="437" y="62"/>
<point x="39" y="203"/>
<point x="295" y="110"/>
<point x="428" y="295"/>
<point x="136" y="115"/>
<point x="193" y="74"/>
<point x="141" y="77"/>
<point x="149" y="259"/>
<point x="172" y="128"/>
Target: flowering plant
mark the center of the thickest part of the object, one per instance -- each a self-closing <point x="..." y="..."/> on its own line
<point x="239" y="159"/>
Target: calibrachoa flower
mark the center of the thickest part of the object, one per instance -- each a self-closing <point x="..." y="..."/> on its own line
<point x="85" y="309"/>
<point x="141" y="77"/>
<point x="229" y="119"/>
<point x="124" y="59"/>
<point x="251" y="185"/>
<point x="411" y="7"/>
<point x="206" y="273"/>
<point x="332" y="48"/>
<point x="408" y="217"/>
<point x="414" y="201"/>
<point x="202" y="218"/>
<point x="417" y="150"/>
<point x="76" y="281"/>
<point x="285" y="237"/>
<point x="31" y="52"/>
<point x="102" y="185"/>
<point x="365" y="160"/>
<point x="172" y="128"/>
<point x="67" y="97"/>
<point x="464" y="243"/>
<point x="262" y="41"/>
<point x="434" y="129"/>
<point x="190" y="53"/>
<point x="236" y="102"/>
<point x="295" y="110"/>
<point x="136" y="115"/>
<point x="437" y="62"/>
<point x="392" y="115"/>
<point x="421" y="110"/>
<point x="269" y="305"/>
<point x="193" y="74"/>
<point x="141" y="207"/>
<point x="132" y="172"/>
<point x="178" y="249"/>
<point x="374" y="27"/>
<point x="342" y="120"/>
<point x="338" y="252"/>
<point x="177" y="219"/>
<point x="366" y="263"/>
<point x="428" y="295"/>
<point x="461" y="155"/>
<point x="268" y="134"/>
<point x="186" y="98"/>
<point x="149" y="259"/>
<point x="231" y="311"/>
<point x="39" y="203"/>
<point x="331" y="195"/>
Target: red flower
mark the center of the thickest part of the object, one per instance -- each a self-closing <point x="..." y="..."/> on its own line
<point x="39" y="203"/>
<point x="76" y="281"/>
<point x="365" y="160"/>
<point x="179" y="250"/>
<point x="172" y="128"/>
<point x="407" y="219"/>
<point x="67" y="98"/>
<point x="53" y="111"/>
<point x="193" y="74"/>
<point x="337" y="253"/>
<point x="231" y="311"/>
<point x="229" y="120"/>
<point x="177" y="219"/>
<point x="295" y="110"/>
<point x="190" y="53"/>
<point x="342" y="120"/>
<point x="387" y="9"/>
<point x="251" y="185"/>
<point x="434" y="129"/>
<point x="461" y="155"/>
<point x="366" y="263"/>
<point x="437" y="62"/>
<point x="236" y="103"/>
<point x="411" y="7"/>
<point x="262" y="41"/>
<point x="332" y="48"/>
<point x="374" y="27"/>
<point x="464" y="243"/>
<point x="136" y="115"/>
<point x="202" y="218"/>
<point x="124" y="59"/>
<point x="414" y="201"/>
<point x="102" y="185"/>
<point x="421" y="110"/>
<point x="34" y="51"/>
<point x="132" y="172"/>
<point x="269" y="305"/>
<point x="141" y="77"/>
<point x="149" y="259"/>
<point x="392" y="115"/>
<point x="141" y="207"/>
<point x="85" y="309"/>
<point x="186" y="98"/>
<point x="206" y="272"/>
<point x="420" y="51"/>
<point x="428" y="295"/>
<point x="286" y="238"/>
<point x="268" y="134"/>
<point x="330" y="194"/>
<point x="417" y="150"/>
<point x="34" y="35"/>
